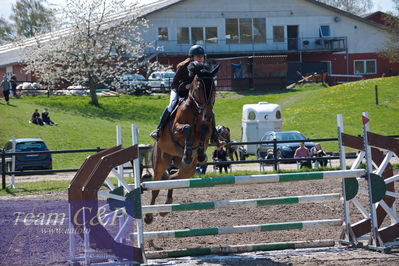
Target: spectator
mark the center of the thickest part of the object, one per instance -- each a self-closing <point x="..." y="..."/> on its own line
<point x="201" y="169"/>
<point x="36" y="118"/>
<point x="6" y="85"/>
<point x="220" y="155"/>
<point x="303" y="152"/>
<point x="318" y="152"/>
<point x="13" y="81"/>
<point x="46" y="118"/>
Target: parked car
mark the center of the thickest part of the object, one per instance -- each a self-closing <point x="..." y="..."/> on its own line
<point x="161" y="81"/>
<point x="284" y="150"/>
<point x="30" y="161"/>
<point x="135" y="84"/>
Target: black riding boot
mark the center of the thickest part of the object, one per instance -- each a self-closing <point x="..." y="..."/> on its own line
<point x="164" y="118"/>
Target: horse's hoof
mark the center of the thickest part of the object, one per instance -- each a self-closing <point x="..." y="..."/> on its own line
<point x="148" y="218"/>
<point x="202" y="159"/>
<point x="152" y="245"/>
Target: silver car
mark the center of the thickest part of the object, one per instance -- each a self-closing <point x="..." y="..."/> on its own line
<point x="161" y="81"/>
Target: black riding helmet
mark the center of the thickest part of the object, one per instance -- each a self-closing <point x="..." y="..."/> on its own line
<point x="196" y="50"/>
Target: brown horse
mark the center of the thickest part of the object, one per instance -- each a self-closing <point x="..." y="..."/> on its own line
<point x="224" y="136"/>
<point x="184" y="140"/>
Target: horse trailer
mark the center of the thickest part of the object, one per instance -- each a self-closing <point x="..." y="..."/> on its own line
<point x="257" y="119"/>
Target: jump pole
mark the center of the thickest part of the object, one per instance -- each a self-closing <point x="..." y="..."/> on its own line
<point x="249" y="179"/>
<point x="240" y="229"/>
<point x="235" y="249"/>
<point x="212" y="205"/>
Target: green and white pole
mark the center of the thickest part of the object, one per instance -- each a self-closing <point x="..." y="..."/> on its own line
<point x="212" y="205"/>
<point x="250" y="179"/>
<point x="240" y="229"/>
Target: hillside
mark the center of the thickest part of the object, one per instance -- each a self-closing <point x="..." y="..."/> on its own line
<point x="310" y="109"/>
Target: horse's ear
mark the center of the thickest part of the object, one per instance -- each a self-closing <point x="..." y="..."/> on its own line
<point x="215" y="70"/>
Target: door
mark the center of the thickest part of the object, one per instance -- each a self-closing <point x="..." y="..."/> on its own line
<point x="292" y="35"/>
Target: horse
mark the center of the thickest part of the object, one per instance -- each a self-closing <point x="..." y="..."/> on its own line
<point x="185" y="138"/>
<point x="224" y="136"/>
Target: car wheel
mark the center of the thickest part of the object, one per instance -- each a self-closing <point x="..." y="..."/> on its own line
<point x="162" y="88"/>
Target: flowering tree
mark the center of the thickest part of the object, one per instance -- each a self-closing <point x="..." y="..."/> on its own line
<point x="356" y="7"/>
<point x="98" y="41"/>
<point x="391" y="46"/>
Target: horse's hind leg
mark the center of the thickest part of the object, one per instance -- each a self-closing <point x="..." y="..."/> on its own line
<point x="160" y="164"/>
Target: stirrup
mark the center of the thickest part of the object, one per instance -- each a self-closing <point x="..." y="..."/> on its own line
<point x="155" y="134"/>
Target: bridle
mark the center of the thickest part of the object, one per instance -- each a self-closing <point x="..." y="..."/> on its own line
<point x="208" y="98"/>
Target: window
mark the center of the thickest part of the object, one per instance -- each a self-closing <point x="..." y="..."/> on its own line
<point x="182" y="35"/>
<point x="245" y="30"/>
<point x="163" y="34"/>
<point x="278" y="33"/>
<point x="197" y="34"/>
<point x="231" y="30"/>
<point x="211" y="34"/>
<point x="324" y="31"/>
<point x="365" y="66"/>
<point x="259" y="30"/>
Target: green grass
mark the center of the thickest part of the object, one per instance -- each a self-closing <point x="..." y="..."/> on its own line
<point x="310" y="109"/>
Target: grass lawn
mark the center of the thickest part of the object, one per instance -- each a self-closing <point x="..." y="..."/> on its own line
<point x="310" y="109"/>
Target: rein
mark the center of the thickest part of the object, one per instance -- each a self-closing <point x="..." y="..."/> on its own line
<point x="208" y="99"/>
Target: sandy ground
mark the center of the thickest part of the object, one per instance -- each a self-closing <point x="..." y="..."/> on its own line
<point x="243" y="216"/>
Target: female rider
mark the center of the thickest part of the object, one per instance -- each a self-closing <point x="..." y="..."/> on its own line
<point x="180" y="87"/>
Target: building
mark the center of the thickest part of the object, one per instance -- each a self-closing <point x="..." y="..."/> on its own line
<point x="313" y="36"/>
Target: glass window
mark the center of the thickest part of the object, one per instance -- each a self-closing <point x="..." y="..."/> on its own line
<point x="211" y="34"/>
<point x="231" y="30"/>
<point x="163" y="34"/>
<point x="370" y="66"/>
<point x="259" y="30"/>
<point x="278" y="33"/>
<point x="197" y="34"/>
<point x="182" y="35"/>
<point x="359" y="67"/>
<point x="324" y="31"/>
<point x="245" y="30"/>
<point x="365" y="67"/>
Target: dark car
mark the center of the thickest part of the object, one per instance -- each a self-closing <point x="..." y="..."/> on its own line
<point x="284" y="150"/>
<point x="30" y="161"/>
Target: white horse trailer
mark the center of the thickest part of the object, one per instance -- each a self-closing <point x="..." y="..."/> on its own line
<point x="257" y="119"/>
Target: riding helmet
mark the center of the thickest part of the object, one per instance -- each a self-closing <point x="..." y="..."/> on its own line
<point x="196" y="50"/>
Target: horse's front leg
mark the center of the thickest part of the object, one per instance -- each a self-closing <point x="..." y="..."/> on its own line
<point x="201" y="149"/>
<point x="188" y="145"/>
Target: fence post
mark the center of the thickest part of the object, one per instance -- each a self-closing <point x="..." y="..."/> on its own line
<point x="275" y="154"/>
<point x="376" y="94"/>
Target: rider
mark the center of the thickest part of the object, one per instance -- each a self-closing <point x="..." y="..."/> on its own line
<point x="180" y="87"/>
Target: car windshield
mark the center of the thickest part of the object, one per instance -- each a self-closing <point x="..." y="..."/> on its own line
<point x="31" y="146"/>
<point x="168" y="75"/>
<point x="138" y="77"/>
<point x="282" y="136"/>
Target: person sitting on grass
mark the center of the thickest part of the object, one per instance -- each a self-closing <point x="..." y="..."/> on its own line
<point x="36" y="118"/>
<point x="303" y="152"/>
<point x="46" y="118"/>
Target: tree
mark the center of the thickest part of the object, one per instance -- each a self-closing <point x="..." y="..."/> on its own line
<point x="356" y="7"/>
<point x="103" y="40"/>
<point x="391" y="46"/>
<point x="6" y="32"/>
<point x="31" y="17"/>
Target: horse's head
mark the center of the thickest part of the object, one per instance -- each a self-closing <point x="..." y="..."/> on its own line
<point x="202" y="89"/>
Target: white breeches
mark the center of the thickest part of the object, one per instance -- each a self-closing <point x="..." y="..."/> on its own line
<point x="172" y="101"/>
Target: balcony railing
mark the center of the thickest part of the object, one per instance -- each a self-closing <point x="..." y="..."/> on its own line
<point x="217" y="46"/>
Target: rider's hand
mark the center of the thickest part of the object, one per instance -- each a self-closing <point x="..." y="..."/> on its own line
<point x="187" y="86"/>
